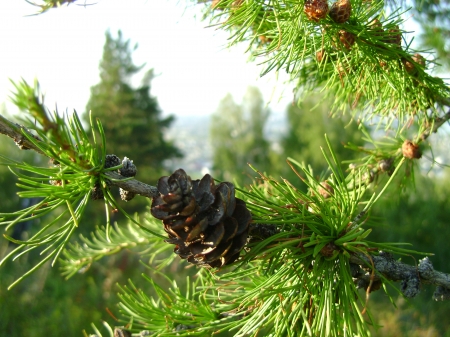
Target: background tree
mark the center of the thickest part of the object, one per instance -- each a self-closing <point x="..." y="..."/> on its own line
<point x="54" y="306"/>
<point x="238" y="139"/>
<point x="434" y="19"/>
<point x="132" y="117"/>
<point x="307" y="124"/>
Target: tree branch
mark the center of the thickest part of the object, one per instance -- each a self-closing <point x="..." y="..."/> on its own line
<point x="132" y="185"/>
<point x="411" y="277"/>
<point x="16" y="132"/>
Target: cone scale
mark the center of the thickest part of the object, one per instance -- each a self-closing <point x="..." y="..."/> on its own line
<point x="206" y="222"/>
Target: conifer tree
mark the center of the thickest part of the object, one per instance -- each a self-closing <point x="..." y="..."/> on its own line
<point x="132" y="117"/>
<point x="280" y="261"/>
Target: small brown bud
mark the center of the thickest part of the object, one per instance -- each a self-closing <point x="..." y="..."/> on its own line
<point x="321" y="55"/>
<point x="411" y="150"/>
<point x="376" y="27"/>
<point x="383" y="64"/>
<point x="409" y="66"/>
<point x="328" y="249"/>
<point x="387" y="166"/>
<point x="325" y="190"/>
<point x="264" y="39"/>
<point x="419" y="59"/>
<point x="394" y="36"/>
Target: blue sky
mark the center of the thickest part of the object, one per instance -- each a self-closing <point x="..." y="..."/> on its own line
<point x="62" y="49"/>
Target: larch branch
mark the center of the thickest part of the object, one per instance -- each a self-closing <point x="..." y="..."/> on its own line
<point x="17" y="131"/>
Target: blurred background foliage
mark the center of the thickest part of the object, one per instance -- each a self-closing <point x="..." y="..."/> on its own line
<point x="46" y="304"/>
<point x="434" y="19"/>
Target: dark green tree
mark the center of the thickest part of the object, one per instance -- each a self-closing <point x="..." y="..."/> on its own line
<point x="132" y="117"/>
<point x="237" y="136"/>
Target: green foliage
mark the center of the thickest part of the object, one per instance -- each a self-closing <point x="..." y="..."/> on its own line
<point x="422" y="219"/>
<point x="79" y="257"/>
<point x="237" y="137"/>
<point x="63" y="190"/>
<point x="131" y="118"/>
<point x="295" y="283"/>
<point x="357" y="77"/>
<point x="47" y="304"/>
<point x="46" y="5"/>
<point x="10" y="200"/>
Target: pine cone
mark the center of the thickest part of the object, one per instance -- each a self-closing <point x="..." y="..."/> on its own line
<point x="325" y="189"/>
<point x="410" y="66"/>
<point x="347" y="39"/>
<point x="394" y="36"/>
<point x="376" y="27"/>
<point x="321" y="55"/>
<point x="208" y="225"/>
<point x="316" y="9"/>
<point x="340" y="11"/>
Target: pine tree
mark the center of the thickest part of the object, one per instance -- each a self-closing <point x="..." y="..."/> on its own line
<point x="132" y="117"/>
<point x="308" y="266"/>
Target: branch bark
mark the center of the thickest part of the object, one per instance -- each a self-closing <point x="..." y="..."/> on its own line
<point x="16" y="131"/>
<point x="411" y="277"/>
<point x="132" y="185"/>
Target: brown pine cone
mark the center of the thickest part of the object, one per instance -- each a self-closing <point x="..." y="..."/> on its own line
<point x="340" y="11"/>
<point x="316" y="10"/>
<point x="411" y="66"/>
<point x="394" y="36"/>
<point x="347" y="39"/>
<point x="208" y="225"/>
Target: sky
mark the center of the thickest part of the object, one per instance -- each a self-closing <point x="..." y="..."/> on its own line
<point x="62" y="48"/>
